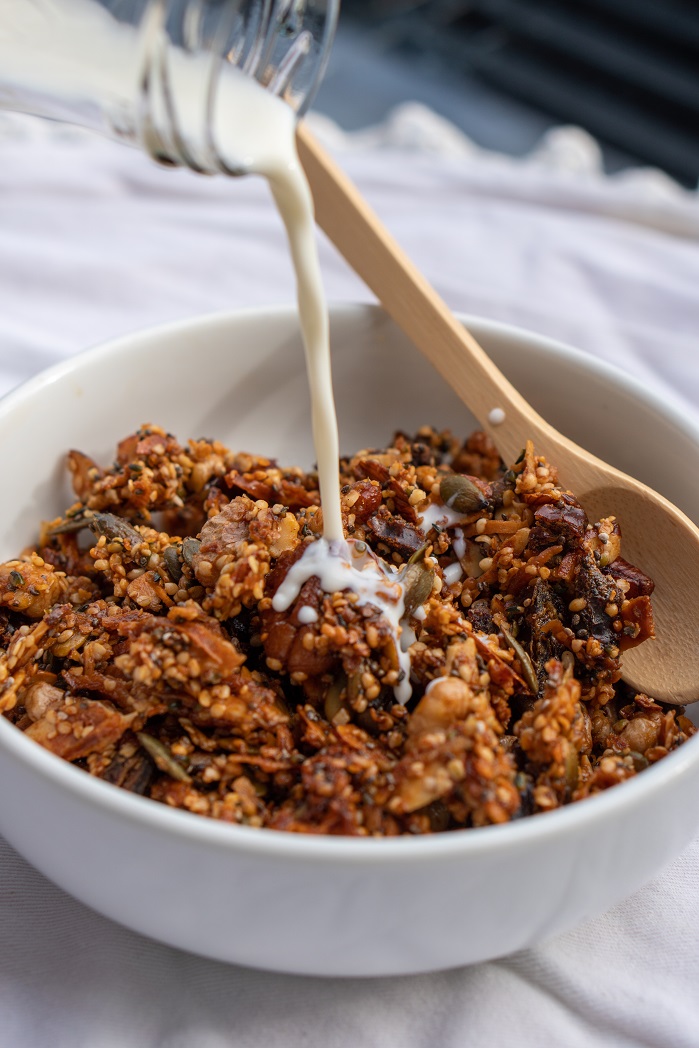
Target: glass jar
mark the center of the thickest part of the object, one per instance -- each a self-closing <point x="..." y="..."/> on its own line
<point x="147" y="71"/>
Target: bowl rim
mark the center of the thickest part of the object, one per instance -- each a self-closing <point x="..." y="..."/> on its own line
<point x="310" y="847"/>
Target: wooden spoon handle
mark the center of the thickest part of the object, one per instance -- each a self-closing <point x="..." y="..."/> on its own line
<point x="358" y="234"/>
<point x="656" y="534"/>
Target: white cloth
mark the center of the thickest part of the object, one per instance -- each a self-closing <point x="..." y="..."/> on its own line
<point x="96" y="241"/>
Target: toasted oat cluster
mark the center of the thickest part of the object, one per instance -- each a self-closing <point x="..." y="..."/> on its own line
<point x="139" y="640"/>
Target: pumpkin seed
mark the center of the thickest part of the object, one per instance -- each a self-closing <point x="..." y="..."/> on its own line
<point x="417" y="580"/>
<point x="164" y="760"/>
<point x="114" y="528"/>
<point x="639" y="760"/>
<point x="173" y="563"/>
<point x="70" y="524"/>
<point x="528" y="671"/>
<point x="459" y="493"/>
<point x="190" y="548"/>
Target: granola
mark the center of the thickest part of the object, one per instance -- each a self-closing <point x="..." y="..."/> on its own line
<point x="139" y="639"/>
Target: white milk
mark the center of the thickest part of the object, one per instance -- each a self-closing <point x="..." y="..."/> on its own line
<point x="259" y="130"/>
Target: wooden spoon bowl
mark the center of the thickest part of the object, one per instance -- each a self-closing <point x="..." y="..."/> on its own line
<point x="657" y="536"/>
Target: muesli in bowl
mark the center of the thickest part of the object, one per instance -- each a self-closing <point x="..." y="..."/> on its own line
<point x="143" y="638"/>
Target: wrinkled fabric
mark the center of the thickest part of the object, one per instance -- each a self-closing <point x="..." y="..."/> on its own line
<point x="96" y="241"/>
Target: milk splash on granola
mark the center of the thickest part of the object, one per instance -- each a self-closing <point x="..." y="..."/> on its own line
<point x="352" y="565"/>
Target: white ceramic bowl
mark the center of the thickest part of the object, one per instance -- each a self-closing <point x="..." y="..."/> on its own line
<point x="314" y="905"/>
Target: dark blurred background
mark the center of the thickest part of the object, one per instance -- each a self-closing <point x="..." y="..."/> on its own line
<point x="507" y="70"/>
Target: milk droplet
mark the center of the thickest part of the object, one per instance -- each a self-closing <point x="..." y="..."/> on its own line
<point x="452" y="573"/>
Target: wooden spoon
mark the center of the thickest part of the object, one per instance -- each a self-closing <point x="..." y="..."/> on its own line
<point x="655" y="534"/>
